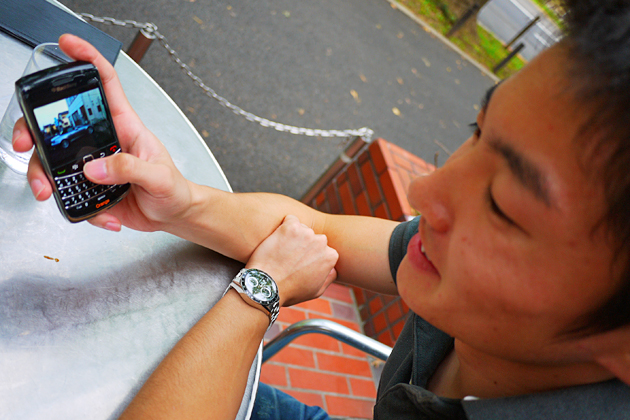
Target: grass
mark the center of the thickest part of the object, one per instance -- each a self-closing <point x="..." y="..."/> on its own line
<point x="485" y="48"/>
<point x="550" y="12"/>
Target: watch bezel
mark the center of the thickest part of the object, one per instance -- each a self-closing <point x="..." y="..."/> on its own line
<point x="258" y="273"/>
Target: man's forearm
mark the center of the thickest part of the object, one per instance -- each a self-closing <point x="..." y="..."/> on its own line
<point x="205" y="375"/>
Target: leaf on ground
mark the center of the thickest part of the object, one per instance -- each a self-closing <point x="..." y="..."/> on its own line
<point x="363" y="78"/>
<point x="355" y="95"/>
<point x="286" y="13"/>
<point x="196" y="19"/>
<point x="205" y="133"/>
<point x="400" y="35"/>
<point x="301" y="111"/>
<point x="400" y="81"/>
<point x="426" y="62"/>
<point x="396" y="111"/>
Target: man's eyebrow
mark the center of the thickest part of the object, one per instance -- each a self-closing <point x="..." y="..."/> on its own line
<point x="486" y="98"/>
<point x="527" y="172"/>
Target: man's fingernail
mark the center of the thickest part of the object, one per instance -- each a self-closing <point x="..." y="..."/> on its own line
<point x="16" y="134"/>
<point x="37" y="186"/>
<point x="97" y="169"/>
<point x="115" y="227"/>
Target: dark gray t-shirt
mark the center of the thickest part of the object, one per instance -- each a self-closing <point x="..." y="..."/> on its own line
<point x="420" y="349"/>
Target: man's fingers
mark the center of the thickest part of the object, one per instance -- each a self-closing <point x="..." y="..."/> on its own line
<point x="22" y="140"/>
<point x="123" y="168"/>
<point x="78" y="49"/>
<point x="37" y="179"/>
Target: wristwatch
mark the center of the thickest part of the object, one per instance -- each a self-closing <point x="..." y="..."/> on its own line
<point x="259" y="290"/>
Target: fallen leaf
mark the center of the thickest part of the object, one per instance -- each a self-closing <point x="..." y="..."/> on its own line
<point x="355" y="95"/>
<point x="414" y="71"/>
<point x="190" y="109"/>
<point x="286" y="13"/>
<point x="476" y="107"/>
<point x="448" y="69"/>
<point x="426" y="62"/>
<point x="400" y="35"/>
<point x="301" y="111"/>
<point x="394" y="6"/>
<point x="205" y="133"/>
<point x="196" y="19"/>
<point x="457" y="81"/>
<point x="421" y="106"/>
<point x="378" y="26"/>
<point x="400" y="81"/>
<point x="229" y="7"/>
<point x="396" y="111"/>
<point x="363" y="78"/>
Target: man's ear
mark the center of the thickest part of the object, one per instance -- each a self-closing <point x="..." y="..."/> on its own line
<point x="611" y="350"/>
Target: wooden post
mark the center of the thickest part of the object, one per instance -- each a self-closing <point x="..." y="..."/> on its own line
<point x="522" y="31"/>
<point x="139" y="46"/>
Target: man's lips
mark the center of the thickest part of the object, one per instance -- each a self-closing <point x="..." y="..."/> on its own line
<point x="417" y="257"/>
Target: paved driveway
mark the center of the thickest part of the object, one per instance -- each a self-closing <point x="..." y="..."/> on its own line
<point x="316" y="63"/>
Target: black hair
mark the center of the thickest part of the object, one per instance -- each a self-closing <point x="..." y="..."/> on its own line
<point x="598" y="44"/>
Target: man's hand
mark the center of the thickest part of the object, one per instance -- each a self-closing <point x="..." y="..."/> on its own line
<point x="159" y="193"/>
<point x="301" y="262"/>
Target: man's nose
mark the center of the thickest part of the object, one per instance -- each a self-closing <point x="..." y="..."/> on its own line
<point x="430" y="196"/>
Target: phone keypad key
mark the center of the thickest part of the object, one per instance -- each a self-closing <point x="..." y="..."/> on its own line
<point x="76" y="190"/>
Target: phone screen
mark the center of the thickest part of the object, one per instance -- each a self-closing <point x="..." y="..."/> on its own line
<point x="74" y="130"/>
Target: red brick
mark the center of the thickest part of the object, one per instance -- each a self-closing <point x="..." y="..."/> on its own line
<point x="368" y="328"/>
<point x="397" y="328"/>
<point x="349" y="407"/>
<point x="291" y="315"/>
<point x="308" y="398"/>
<point x="317" y="305"/>
<point x="291" y="355"/>
<point x="405" y="180"/>
<point x="386" y="338"/>
<point x="376" y="156"/>
<point x="347" y="201"/>
<point x="363" y="387"/>
<point x="376" y="304"/>
<point x="359" y="295"/>
<point x="318" y="381"/>
<point x="380" y="323"/>
<point x="382" y="211"/>
<point x="364" y="312"/>
<point x="394" y="195"/>
<point x="394" y="313"/>
<point x="355" y="180"/>
<point x="273" y="374"/>
<point x="318" y="341"/>
<point x="331" y="197"/>
<point x="402" y="161"/>
<point x="339" y="292"/>
<point x="342" y="364"/>
<point x="363" y="157"/>
<point x="363" y="207"/>
<point x="343" y="177"/>
<point x="371" y="183"/>
<point x="321" y="197"/>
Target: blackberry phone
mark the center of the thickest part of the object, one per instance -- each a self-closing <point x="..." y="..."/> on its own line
<point x="67" y="114"/>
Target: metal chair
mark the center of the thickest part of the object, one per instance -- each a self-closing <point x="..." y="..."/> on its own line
<point x="331" y="329"/>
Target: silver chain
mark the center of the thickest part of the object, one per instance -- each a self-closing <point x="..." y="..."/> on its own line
<point x="150" y="30"/>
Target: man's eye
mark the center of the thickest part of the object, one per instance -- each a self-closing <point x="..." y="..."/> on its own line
<point x="497" y="210"/>
<point x="474" y="127"/>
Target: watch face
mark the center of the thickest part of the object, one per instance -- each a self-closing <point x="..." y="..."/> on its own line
<point x="260" y="286"/>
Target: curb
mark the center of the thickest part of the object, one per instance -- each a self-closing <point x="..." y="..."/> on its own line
<point x="444" y="40"/>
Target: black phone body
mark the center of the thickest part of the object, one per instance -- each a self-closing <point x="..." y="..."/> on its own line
<point x="66" y="111"/>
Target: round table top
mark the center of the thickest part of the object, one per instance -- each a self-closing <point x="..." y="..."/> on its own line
<point x="86" y="314"/>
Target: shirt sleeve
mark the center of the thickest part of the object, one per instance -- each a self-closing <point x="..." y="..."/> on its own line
<point x="398" y="243"/>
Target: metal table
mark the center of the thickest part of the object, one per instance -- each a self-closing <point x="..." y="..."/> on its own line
<point x="86" y="314"/>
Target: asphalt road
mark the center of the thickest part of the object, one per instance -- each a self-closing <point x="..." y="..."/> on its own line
<point x="319" y="64"/>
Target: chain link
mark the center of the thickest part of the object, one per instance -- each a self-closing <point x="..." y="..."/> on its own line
<point x="150" y="30"/>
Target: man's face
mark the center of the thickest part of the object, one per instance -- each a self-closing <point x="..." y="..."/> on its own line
<point x="508" y="225"/>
